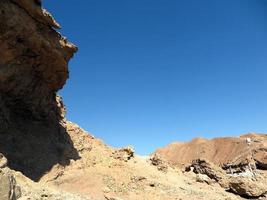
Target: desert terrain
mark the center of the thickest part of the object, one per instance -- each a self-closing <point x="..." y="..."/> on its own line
<point x="43" y="156"/>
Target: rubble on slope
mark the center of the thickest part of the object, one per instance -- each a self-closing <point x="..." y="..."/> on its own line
<point x="159" y="162"/>
<point x="242" y="183"/>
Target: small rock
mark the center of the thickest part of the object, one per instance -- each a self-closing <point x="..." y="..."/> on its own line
<point x="3" y="161"/>
<point x="106" y="190"/>
<point x="202" y="178"/>
<point x="108" y="197"/>
<point x="153" y="184"/>
<point x="158" y="161"/>
<point x="124" y="154"/>
<point x="138" y="178"/>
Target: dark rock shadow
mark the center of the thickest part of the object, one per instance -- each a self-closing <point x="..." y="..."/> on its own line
<point x="34" y="147"/>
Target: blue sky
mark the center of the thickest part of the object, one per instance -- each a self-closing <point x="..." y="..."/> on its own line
<point x="149" y="72"/>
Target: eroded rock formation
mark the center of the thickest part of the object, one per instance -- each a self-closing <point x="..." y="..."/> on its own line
<point x="33" y="62"/>
<point x="33" y="67"/>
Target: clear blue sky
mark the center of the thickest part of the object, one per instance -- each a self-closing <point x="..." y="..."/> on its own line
<point x="149" y="72"/>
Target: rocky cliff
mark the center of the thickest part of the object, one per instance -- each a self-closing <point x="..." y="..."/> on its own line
<point x="33" y="62"/>
<point x="33" y="67"/>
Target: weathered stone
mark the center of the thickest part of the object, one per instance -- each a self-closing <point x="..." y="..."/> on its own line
<point x="247" y="187"/>
<point x="201" y="166"/>
<point x="124" y="154"/>
<point x="33" y="8"/>
<point x="158" y="161"/>
<point x="204" y="167"/>
<point x="3" y="161"/>
<point x="260" y="157"/>
<point x="33" y="62"/>
<point x="202" y="178"/>
<point x="7" y="187"/>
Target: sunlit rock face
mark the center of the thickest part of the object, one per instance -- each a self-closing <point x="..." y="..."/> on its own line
<point x="33" y="61"/>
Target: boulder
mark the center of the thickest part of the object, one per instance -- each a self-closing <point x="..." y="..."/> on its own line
<point x="247" y="187"/>
<point x="260" y="157"/>
<point x="201" y="166"/>
<point x="202" y="178"/>
<point x="123" y="154"/>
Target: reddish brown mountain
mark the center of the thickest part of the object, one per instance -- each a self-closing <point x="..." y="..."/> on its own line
<point x="221" y="151"/>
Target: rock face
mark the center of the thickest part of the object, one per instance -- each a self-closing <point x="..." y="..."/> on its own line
<point x="33" y="67"/>
<point x="246" y="187"/>
<point x="260" y="157"/>
<point x="33" y="62"/>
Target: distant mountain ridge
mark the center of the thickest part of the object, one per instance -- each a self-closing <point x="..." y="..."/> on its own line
<point x="251" y="147"/>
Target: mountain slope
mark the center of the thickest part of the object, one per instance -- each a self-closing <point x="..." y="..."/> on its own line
<point x="221" y="151"/>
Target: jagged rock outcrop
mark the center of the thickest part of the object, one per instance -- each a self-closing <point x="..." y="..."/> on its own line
<point x="247" y="185"/>
<point x="33" y="67"/>
<point x="124" y="154"/>
<point x="235" y="163"/>
<point x="260" y="157"/>
<point x="33" y="62"/>
<point x="201" y="166"/>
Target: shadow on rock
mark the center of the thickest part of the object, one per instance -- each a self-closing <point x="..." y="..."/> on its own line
<point x="34" y="147"/>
